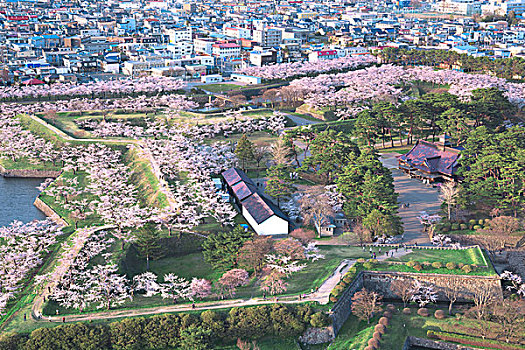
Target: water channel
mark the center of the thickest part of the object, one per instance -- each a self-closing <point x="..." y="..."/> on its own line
<point x="16" y="200"/>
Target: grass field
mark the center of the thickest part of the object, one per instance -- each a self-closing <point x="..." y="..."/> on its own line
<point x="217" y="88"/>
<point x="466" y="256"/>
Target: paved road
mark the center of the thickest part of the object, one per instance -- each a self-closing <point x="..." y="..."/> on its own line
<point x="321" y="296"/>
<point x="299" y="121"/>
<point x="420" y="197"/>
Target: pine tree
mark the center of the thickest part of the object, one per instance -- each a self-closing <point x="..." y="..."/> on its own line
<point x="244" y="150"/>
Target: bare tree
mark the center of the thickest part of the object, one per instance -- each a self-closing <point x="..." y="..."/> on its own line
<point x="403" y="289"/>
<point x="499" y="230"/>
<point x="482" y="297"/>
<point x="454" y="287"/>
<point x="510" y="314"/>
<point x="316" y="207"/>
<point x="448" y="195"/>
<point x="365" y="304"/>
<point x="260" y="151"/>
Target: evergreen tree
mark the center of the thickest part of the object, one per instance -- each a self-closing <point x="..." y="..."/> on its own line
<point x="244" y="150"/>
<point x="222" y="249"/>
<point x="147" y="243"/>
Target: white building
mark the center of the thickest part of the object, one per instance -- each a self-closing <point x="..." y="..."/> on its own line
<point x="226" y="50"/>
<point x="179" y="34"/>
<point x="503" y="7"/>
<point x="246" y="79"/>
<point x="263" y="216"/>
<point x="203" y="45"/>
<point x="237" y="32"/>
<point x="268" y="37"/>
<point x="180" y="48"/>
<point x="212" y="78"/>
<point x="460" y="7"/>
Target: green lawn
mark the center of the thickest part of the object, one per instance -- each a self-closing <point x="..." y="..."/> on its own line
<point x="472" y="256"/>
<point x="354" y="335"/>
<point x="220" y="87"/>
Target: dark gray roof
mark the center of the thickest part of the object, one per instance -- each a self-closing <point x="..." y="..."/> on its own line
<point x="259" y="207"/>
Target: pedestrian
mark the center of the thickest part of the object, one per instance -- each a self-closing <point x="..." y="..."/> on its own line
<point x="375" y="256"/>
<point x="363" y="248"/>
<point x="386" y="253"/>
<point x="56" y="311"/>
<point x="300" y="296"/>
<point x="396" y="249"/>
<point x="264" y="296"/>
<point x="370" y="250"/>
<point x="63" y="319"/>
<point x="379" y="250"/>
<point x="193" y="306"/>
<point x="25" y="317"/>
<point x="392" y="253"/>
<point x="49" y="318"/>
<point x="415" y="244"/>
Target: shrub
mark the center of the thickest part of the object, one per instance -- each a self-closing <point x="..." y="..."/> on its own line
<point x="391" y="307"/>
<point x="460" y="265"/>
<point x="384" y="321"/>
<point x="467" y="269"/>
<point x="423" y="312"/>
<point x="376" y="336"/>
<point x="418" y="267"/>
<point x="333" y="298"/>
<point x="348" y="278"/>
<point x="373" y="343"/>
<point x="352" y="270"/>
<point x="463" y="227"/>
<point x="451" y="265"/>
<point x="455" y="227"/>
<point x="368" y="265"/>
<point x="426" y="263"/>
<point x="380" y="328"/>
<point x="411" y="263"/>
<point x="445" y="228"/>
<point x="387" y="314"/>
<point x="476" y="227"/>
<point x="319" y="319"/>
<point x="440" y="314"/>
<point x="472" y="222"/>
<point x="361" y="260"/>
<point x="437" y="265"/>
<point x="407" y="311"/>
<point x="481" y="222"/>
<point x="342" y="284"/>
<point x="487" y="221"/>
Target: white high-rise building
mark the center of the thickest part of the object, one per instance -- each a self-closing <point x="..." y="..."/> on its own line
<point x="503" y="7"/>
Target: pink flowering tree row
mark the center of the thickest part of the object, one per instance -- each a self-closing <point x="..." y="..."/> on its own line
<point x="143" y="85"/>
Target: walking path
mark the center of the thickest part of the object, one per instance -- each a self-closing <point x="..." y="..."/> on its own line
<point x="321" y="295"/>
<point x="63" y="264"/>
<point x="419" y="196"/>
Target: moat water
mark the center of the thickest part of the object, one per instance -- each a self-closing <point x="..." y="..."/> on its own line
<point x="16" y="200"/>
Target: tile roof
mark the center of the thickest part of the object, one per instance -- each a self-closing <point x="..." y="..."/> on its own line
<point x="432" y="158"/>
<point x="259" y="207"/>
<point x="234" y="175"/>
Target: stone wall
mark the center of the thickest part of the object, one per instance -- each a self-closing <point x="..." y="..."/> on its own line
<point x="341" y="309"/>
<point x="380" y="281"/>
<point x="50" y="213"/>
<point x="29" y="173"/>
<point x="412" y="342"/>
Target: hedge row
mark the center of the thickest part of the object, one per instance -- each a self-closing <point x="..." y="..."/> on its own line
<point x="187" y="331"/>
<point x="468" y="340"/>
<point x="343" y="283"/>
